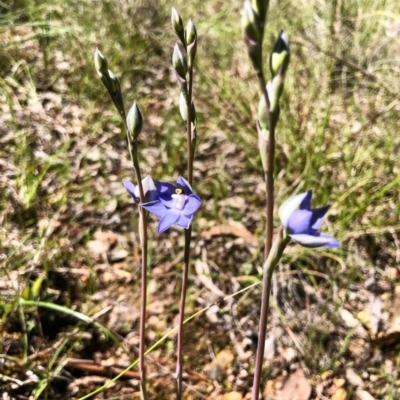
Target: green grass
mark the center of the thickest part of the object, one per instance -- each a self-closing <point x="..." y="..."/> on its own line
<point x="63" y="155"/>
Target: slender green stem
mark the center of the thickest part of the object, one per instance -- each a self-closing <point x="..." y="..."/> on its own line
<point x="188" y="239"/>
<point x="143" y="286"/>
<point x="117" y="99"/>
<point x="270" y="264"/>
<point x="133" y="150"/>
<point x="186" y="262"/>
<point x="269" y="173"/>
<point x="266" y="290"/>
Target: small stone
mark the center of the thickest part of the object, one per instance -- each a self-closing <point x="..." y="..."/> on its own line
<point x="348" y="318"/>
<point x="243" y="374"/>
<point x="297" y="386"/>
<point x="224" y="358"/>
<point x="353" y="378"/>
<point x="117" y="255"/>
<point x="289" y="354"/>
<point x="364" y="395"/>
<point x="269" y="349"/>
<point x="373" y="378"/>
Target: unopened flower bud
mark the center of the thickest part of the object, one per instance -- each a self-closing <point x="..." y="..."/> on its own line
<point x="177" y="25"/>
<point x="275" y="89"/>
<point x="261" y="8"/>
<point x="183" y="109"/>
<point x="190" y="33"/>
<point x="179" y="62"/>
<point x="113" y="83"/>
<point x="280" y="55"/>
<point x="191" y="42"/>
<point x="263" y="113"/>
<point x="100" y="63"/>
<point x="134" y="121"/>
<point x="263" y="140"/>
<point x="251" y="24"/>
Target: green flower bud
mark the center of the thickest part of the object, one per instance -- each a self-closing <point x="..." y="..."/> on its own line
<point x="261" y="8"/>
<point x="190" y="33"/>
<point x="100" y="63"/>
<point x="113" y="83"/>
<point x="183" y="109"/>
<point x="177" y="25"/>
<point x="263" y="140"/>
<point x="263" y="113"/>
<point x="191" y="42"/>
<point x="182" y="106"/>
<point x="275" y="89"/>
<point x="251" y="23"/>
<point x="179" y="62"/>
<point x="134" y="120"/>
<point x="280" y="55"/>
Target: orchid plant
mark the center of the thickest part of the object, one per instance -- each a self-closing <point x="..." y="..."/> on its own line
<point x="176" y="204"/>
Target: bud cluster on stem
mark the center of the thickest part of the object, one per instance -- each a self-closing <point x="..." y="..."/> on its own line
<point x="133" y="124"/>
<point x="183" y="63"/>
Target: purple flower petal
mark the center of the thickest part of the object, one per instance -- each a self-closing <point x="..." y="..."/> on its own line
<point x="165" y="188"/>
<point x="167" y="220"/>
<point x="150" y="190"/>
<point x="299" y="221"/>
<point x="130" y="187"/>
<point x="318" y="216"/>
<point x="332" y="243"/>
<point x="184" y="185"/>
<point x="184" y="221"/>
<point x="306" y="203"/>
<point x="156" y="207"/>
<point x="192" y="204"/>
<point x="165" y="191"/>
<point x="315" y="241"/>
<point x="288" y="206"/>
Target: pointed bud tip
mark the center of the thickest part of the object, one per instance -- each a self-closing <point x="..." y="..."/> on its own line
<point x="251" y="24"/>
<point x="134" y="121"/>
<point x="100" y="62"/>
<point x="280" y="55"/>
<point x="179" y="62"/>
<point x="177" y="24"/>
<point x="190" y="32"/>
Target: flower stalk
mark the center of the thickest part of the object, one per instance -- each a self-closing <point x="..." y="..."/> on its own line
<point x="190" y="45"/>
<point x="132" y="134"/>
<point x="132" y="125"/>
<point x="253" y="24"/>
<point x="143" y="286"/>
<point x="269" y="232"/>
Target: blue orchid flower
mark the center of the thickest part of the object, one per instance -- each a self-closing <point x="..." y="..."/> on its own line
<point x="175" y="204"/>
<point x="301" y="222"/>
